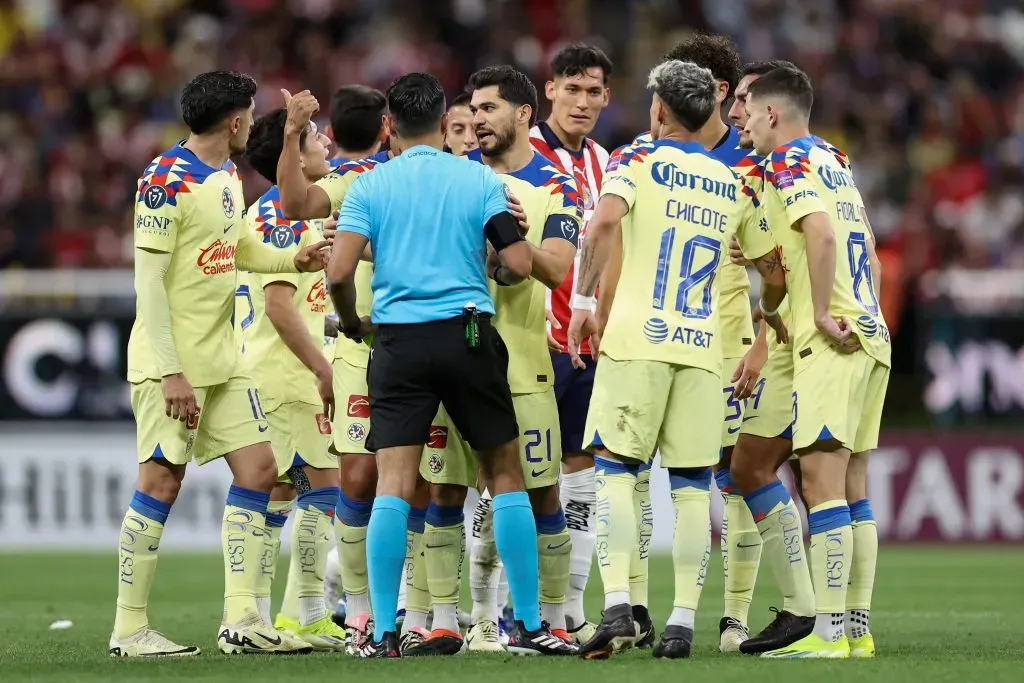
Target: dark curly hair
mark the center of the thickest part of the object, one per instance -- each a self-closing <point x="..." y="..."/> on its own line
<point x="211" y="97"/>
<point x="711" y="51"/>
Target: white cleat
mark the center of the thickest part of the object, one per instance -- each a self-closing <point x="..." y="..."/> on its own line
<point x="253" y="636"/>
<point x="733" y="633"/>
<point x="484" y="637"/>
<point x="583" y="633"/>
<point x="149" y="643"/>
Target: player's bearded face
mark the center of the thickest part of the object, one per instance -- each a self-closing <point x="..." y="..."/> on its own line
<point x="495" y="130"/>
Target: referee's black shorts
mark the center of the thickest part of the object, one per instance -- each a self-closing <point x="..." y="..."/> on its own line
<point x="414" y="368"/>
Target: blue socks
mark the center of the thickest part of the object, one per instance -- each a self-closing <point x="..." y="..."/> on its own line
<point x="385" y="559"/>
<point x="515" y="535"/>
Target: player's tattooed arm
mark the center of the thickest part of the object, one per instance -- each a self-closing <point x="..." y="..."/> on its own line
<point x="597" y="245"/>
<point x="773" y="278"/>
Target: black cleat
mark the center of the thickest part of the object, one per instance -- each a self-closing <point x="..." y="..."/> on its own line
<point x="539" y="642"/>
<point x="644" y="627"/>
<point x="385" y="648"/>
<point x="675" y="643"/>
<point x="440" y="643"/>
<point x="785" y="629"/>
<point x="617" y="631"/>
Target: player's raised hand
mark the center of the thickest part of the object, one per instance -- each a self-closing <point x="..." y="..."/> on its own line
<point x="748" y="371"/>
<point x="840" y="333"/>
<point x="582" y="325"/>
<point x="553" y="344"/>
<point x="517" y="210"/>
<point x="179" y="398"/>
<point x="736" y="253"/>
<point x="313" y="258"/>
<point x="301" y="107"/>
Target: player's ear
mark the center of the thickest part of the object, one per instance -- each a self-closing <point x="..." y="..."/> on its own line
<point x="524" y="114"/>
<point x="444" y="122"/>
<point x="549" y="91"/>
<point x="606" y="97"/>
<point x="328" y="131"/>
<point x="723" y="91"/>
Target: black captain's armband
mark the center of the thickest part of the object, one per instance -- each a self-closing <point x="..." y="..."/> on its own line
<point x="502" y="230"/>
<point x="562" y="226"/>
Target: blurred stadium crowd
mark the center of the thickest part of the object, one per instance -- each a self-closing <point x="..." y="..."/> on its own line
<point x="927" y="96"/>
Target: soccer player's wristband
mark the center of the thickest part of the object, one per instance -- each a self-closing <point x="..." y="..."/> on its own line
<point x="766" y="313"/>
<point x="586" y="303"/>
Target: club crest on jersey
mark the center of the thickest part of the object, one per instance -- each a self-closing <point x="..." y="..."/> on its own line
<point x="227" y="202"/>
<point x="356" y="432"/>
<point x="282" y="236"/>
<point x="435" y="464"/>
<point x="154" y="196"/>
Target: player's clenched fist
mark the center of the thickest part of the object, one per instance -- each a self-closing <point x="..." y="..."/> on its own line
<point x="179" y="398"/>
<point x="301" y="107"/>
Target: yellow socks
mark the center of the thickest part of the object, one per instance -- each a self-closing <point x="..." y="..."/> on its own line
<point x="554" y="547"/>
<point x="862" y="573"/>
<point x="141" y="530"/>
<point x="691" y="543"/>
<point x="277" y="515"/>
<point x="311" y="541"/>
<point x="417" y="590"/>
<point x="616" y="527"/>
<point x="741" y="549"/>
<point x="831" y="556"/>
<point x="644" y="515"/>
<point x="353" y="518"/>
<point x="242" y="534"/>
<point x="778" y="522"/>
<point x="444" y="543"/>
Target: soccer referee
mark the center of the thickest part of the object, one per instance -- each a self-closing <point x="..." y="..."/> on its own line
<point x="428" y="217"/>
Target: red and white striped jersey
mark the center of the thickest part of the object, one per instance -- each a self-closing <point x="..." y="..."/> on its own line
<point x="587" y="167"/>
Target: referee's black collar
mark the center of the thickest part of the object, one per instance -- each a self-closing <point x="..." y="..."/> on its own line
<point x="553" y="140"/>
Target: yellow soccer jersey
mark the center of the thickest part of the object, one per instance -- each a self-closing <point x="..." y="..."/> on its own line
<point x="192" y="212"/>
<point x="337" y="184"/>
<point x="554" y="209"/>
<point x="280" y="375"/>
<point x="683" y="206"/>
<point x="809" y="176"/>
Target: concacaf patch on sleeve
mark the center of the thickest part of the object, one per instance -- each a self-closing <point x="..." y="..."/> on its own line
<point x="613" y="163"/>
<point x="783" y="179"/>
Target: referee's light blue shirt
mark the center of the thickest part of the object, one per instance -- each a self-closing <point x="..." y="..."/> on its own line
<point x="424" y="213"/>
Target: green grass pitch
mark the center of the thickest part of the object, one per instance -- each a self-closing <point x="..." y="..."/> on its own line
<point x="941" y="614"/>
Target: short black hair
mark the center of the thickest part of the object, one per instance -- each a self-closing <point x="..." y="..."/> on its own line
<point x="576" y="58"/>
<point x="513" y="85"/>
<point x="211" y="97"/>
<point x="462" y="99"/>
<point x="761" y="68"/>
<point x="266" y="140"/>
<point x="711" y="51"/>
<point x="416" y="102"/>
<point x="788" y="82"/>
<point x="356" y="112"/>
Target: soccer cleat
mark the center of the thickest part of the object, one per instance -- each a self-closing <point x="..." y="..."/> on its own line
<point x="863" y="647"/>
<point x="385" y="648"/>
<point x="812" y="647"/>
<point x="644" y="627"/>
<point x="563" y="634"/>
<point x="149" y="643"/>
<point x="539" y="642"/>
<point x="441" y="642"/>
<point x="503" y="636"/>
<point x="617" y="631"/>
<point x="411" y="638"/>
<point x="583" y="633"/>
<point x="484" y="637"/>
<point x="252" y="636"/>
<point x="283" y="623"/>
<point x="785" y="629"/>
<point x="360" y="633"/>
<point x="732" y="633"/>
<point x="675" y="643"/>
<point x="324" y="635"/>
